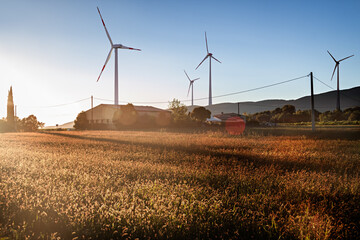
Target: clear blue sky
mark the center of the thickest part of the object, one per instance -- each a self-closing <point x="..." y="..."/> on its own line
<point x="52" y="52"/>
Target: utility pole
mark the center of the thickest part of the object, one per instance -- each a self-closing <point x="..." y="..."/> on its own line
<point x="92" y="111"/>
<point x="238" y="108"/>
<point x="312" y="103"/>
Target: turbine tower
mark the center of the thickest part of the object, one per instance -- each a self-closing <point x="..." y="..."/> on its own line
<point x="208" y="55"/>
<point x="191" y="85"/>
<point x="116" y="47"/>
<point x="337" y="65"/>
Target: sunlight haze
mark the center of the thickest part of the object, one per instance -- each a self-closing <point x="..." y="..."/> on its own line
<point x="52" y="52"/>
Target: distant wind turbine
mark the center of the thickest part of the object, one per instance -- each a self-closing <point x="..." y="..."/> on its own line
<point x="116" y="47"/>
<point x="191" y="85"/>
<point x="208" y="55"/>
<point x="337" y="65"/>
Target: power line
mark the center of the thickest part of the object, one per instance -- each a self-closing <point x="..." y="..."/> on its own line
<point x="324" y="83"/>
<point x="184" y="100"/>
<point x="218" y="96"/>
<point x="58" y="105"/>
<point x="258" y="88"/>
<point x="342" y="93"/>
<point x="108" y="100"/>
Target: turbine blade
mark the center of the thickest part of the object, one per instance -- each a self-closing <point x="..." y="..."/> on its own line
<point x="130" y="48"/>
<point x="107" y="60"/>
<point x="189" y="88"/>
<point x="336" y="65"/>
<point x="215" y="59"/>
<point x="195" y="79"/>
<point x="201" y="62"/>
<point x="187" y="76"/>
<point x="207" y="49"/>
<point x="332" y="56"/>
<point x="107" y="33"/>
<point x="346" y="58"/>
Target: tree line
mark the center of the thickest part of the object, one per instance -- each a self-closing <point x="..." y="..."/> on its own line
<point x="289" y="114"/>
<point x="12" y="123"/>
<point x="27" y="124"/>
<point x="128" y="118"/>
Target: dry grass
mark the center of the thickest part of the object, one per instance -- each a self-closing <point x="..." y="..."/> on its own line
<point x="120" y="185"/>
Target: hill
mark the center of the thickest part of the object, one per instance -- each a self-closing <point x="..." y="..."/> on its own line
<point x="323" y="102"/>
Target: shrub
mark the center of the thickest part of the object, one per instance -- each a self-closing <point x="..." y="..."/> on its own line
<point x="29" y="124"/>
<point x="81" y="122"/>
<point x="125" y="117"/>
<point x="200" y="114"/>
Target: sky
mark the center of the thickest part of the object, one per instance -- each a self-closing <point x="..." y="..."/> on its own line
<point x="51" y="52"/>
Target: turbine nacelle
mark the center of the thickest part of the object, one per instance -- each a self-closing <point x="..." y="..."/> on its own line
<point x="337" y="63"/>
<point x="337" y="66"/>
<point x="124" y="47"/>
<point x="191" y="85"/>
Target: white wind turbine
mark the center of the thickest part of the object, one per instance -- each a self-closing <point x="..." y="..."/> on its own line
<point x="208" y="55"/>
<point x="116" y="47"/>
<point x="191" y="85"/>
<point x="337" y="65"/>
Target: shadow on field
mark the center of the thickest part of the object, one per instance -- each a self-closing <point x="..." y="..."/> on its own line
<point x="243" y="158"/>
<point x="330" y="133"/>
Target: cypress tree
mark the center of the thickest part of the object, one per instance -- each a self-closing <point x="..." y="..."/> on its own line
<point x="10" y="109"/>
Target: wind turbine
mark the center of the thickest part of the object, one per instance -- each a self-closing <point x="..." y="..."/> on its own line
<point x="191" y="85"/>
<point x="208" y="55"/>
<point x="116" y="47"/>
<point x="337" y="65"/>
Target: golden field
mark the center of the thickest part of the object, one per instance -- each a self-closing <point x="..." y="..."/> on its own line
<point x="168" y="185"/>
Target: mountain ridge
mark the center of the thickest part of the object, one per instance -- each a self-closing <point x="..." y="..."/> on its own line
<point x="322" y="102"/>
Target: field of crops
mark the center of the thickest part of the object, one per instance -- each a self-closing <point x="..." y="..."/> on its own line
<point x="161" y="185"/>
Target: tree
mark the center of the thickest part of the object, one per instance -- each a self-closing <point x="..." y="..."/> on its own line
<point x="200" y="114"/>
<point x="178" y="111"/>
<point x="302" y="116"/>
<point x="276" y="111"/>
<point x="81" y="122"/>
<point x="354" y="116"/>
<point x="125" y="116"/>
<point x="284" y="117"/>
<point x="4" y="126"/>
<point x="338" y="115"/>
<point x="263" y="117"/>
<point x="288" y="109"/>
<point x="29" y="124"/>
<point x="10" y="110"/>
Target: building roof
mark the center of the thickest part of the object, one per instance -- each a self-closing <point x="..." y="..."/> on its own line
<point x="137" y="108"/>
<point x="226" y="116"/>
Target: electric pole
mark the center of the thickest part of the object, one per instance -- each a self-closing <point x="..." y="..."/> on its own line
<point x="92" y="111"/>
<point x="312" y="103"/>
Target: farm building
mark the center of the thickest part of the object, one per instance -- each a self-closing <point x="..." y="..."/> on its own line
<point x="103" y="114"/>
